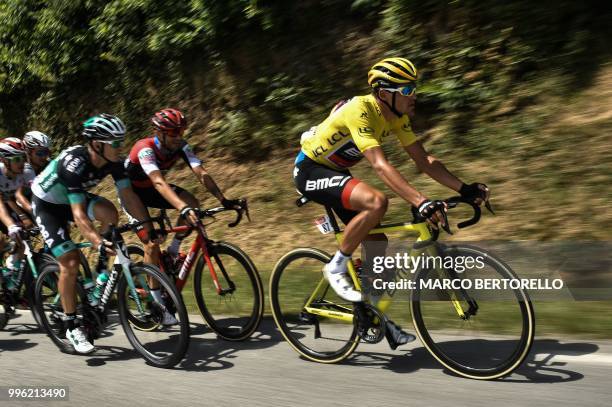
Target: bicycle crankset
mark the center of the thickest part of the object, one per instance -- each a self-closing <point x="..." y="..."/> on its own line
<point x="93" y="323"/>
<point x="371" y="323"/>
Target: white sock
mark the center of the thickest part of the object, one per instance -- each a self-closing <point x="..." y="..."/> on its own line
<point x="174" y="247"/>
<point x="339" y="262"/>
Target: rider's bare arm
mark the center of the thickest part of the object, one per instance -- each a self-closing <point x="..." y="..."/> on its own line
<point x="20" y="212"/>
<point x="392" y="177"/>
<point x="160" y="184"/>
<point x="433" y="167"/>
<point x="4" y="215"/>
<point x="23" y="201"/>
<point x="85" y="225"/>
<point x="208" y="182"/>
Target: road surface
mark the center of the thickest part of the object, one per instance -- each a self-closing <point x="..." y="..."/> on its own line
<point x="265" y="371"/>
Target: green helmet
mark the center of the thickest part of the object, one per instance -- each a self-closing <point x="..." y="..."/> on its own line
<point x="104" y="127"/>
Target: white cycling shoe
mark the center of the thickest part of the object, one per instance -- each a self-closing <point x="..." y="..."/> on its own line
<point x="168" y="319"/>
<point x="79" y="341"/>
<point x="342" y="284"/>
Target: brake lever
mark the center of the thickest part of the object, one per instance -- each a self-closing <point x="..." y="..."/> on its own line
<point x="246" y="210"/>
<point x="445" y="225"/>
<point x="237" y="221"/>
<point x="489" y="207"/>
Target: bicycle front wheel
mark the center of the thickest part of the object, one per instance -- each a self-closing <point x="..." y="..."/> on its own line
<point x="233" y="305"/>
<point x="474" y="333"/>
<point x="312" y="318"/>
<point x="165" y="343"/>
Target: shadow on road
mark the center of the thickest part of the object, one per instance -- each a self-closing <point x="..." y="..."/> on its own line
<point x="543" y="370"/>
<point x="15" y="345"/>
<point x="546" y="369"/>
<point x="210" y="354"/>
<point x="105" y="354"/>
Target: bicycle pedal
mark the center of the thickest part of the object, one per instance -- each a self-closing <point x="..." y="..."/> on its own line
<point x="307" y="318"/>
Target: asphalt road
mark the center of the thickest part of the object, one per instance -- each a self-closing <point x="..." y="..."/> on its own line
<point x="265" y="371"/>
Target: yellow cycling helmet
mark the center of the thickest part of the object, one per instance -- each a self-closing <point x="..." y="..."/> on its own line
<point x="392" y="73"/>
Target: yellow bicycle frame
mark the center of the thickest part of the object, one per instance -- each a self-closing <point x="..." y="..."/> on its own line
<point x="346" y="315"/>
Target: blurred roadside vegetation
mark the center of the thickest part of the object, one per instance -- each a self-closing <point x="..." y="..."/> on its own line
<point x="516" y="94"/>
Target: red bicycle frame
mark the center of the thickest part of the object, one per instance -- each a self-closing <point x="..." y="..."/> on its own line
<point x="201" y="243"/>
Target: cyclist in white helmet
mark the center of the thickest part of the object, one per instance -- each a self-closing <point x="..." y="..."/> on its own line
<point x="13" y="176"/>
<point x="38" y="151"/>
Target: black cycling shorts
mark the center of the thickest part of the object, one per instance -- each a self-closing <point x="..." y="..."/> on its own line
<point x="53" y="221"/>
<point x="326" y="186"/>
<point x="151" y="198"/>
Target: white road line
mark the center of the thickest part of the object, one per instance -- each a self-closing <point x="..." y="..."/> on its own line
<point x="589" y="359"/>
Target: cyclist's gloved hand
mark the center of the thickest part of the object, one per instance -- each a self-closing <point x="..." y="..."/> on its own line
<point x="475" y="192"/>
<point x="107" y="246"/>
<point x="231" y="203"/>
<point x="14" y="232"/>
<point x="432" y="211"/>
<point x="190" y="215"/>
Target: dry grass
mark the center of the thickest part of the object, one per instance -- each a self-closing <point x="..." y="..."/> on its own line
<point x="560" y="192"/>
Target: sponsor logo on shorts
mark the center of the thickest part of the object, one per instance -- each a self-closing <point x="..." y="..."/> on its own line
<point x="324" y="183"/>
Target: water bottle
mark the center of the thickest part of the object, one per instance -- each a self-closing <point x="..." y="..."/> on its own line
<point x="99" y="290"/>
<point x="88" y="285"/>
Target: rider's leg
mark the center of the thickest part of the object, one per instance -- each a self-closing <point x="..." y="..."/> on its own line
<point x="370" y="206"/>
<point x="374" y="246"/>
<point x="69" y="269"/>
<point x="193" y="202"/>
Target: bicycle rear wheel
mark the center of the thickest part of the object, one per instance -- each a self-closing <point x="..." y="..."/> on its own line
<point x="236" y="313"/>
<point x="162" y="346"/>
<point x="294" y="280"/>
<point x="495" y="332"/>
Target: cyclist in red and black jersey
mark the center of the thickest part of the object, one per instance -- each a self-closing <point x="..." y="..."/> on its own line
<point x="150" y="158"/>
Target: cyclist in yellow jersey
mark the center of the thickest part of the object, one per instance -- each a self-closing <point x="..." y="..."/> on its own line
<point x="356" y="129"/>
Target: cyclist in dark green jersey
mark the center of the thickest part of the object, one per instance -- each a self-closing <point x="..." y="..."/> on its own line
<point x="60" y="195"/>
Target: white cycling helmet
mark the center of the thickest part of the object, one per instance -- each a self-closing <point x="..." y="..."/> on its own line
<point x="33" y="139"/>
<point x="11" y="147"/>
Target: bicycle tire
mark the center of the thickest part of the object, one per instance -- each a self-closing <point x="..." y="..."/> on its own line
<point x="180" y="350"/>
<point x="40" y="259"/>
<point x="528" y="323"/>
<point x="49" y="272"/>
<point x="241" y="328"/>
<point x="138" y="253"/>
<point x="310" y="354"/>
<point x="29" y="285"/>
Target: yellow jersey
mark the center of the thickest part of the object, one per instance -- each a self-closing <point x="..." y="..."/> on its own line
<point x="340" y="140"/>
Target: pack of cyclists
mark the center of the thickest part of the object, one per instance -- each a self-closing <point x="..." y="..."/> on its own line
<point x="52" y="194"/>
